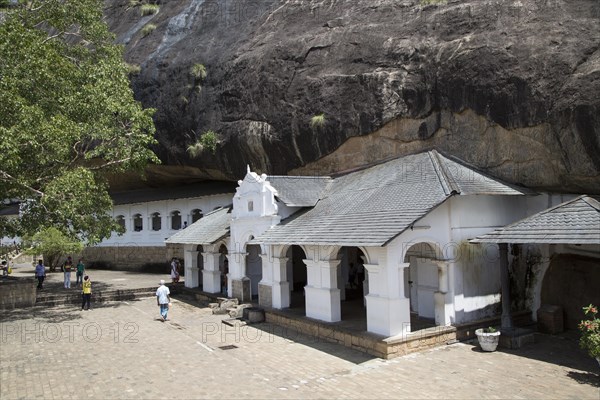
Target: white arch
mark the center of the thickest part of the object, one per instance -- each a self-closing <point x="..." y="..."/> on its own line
<point x="437" y="249"/>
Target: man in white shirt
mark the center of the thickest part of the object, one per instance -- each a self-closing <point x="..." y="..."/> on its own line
<point x="163" y="299"/>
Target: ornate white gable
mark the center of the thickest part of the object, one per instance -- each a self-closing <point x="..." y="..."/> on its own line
<point x="254" y="197"/>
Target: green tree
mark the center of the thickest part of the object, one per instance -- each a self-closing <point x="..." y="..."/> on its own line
<point x="67" y="118"/>
<point x="52" y="244"/>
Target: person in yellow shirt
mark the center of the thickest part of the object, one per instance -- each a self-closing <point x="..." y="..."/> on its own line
<point x="87" y="293"/>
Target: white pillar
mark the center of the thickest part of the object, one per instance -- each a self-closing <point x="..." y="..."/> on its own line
<point x="388" y="307"/>
<point x="444" y="296"/>
<point x="280" y="284"/>
<point x="190" y="258"/>
<point x="322" y="293"/>
<point x="238" y="284"/>
<point x="211" y="275"/>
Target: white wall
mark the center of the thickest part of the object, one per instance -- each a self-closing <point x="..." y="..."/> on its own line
<point x="148" y="237"/>
<point x="473" y="270"/>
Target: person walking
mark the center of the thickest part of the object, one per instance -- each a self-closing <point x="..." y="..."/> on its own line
<point x="163" y="299"/>
<point x="40" y="274"/>
<point x="80" y="271"/>
<point x="86" y="293"/>
<point x="67" y="267"/>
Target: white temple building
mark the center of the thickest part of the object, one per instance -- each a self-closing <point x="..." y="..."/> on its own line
<point x="387" y="240"/>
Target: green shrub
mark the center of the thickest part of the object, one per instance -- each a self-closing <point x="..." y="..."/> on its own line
<point x="198" y="71"/>
<point x="590" y="331"/>
<point x="52" y="244"/>
<point x="148" y="29"/>
<point x="208" y="141"/>
<point x="318" y="120"/>
<point x="149" y="9"/>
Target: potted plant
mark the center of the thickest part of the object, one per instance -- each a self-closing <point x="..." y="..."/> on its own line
<point x="590" y="332"/>
<point x="488" y="338"/>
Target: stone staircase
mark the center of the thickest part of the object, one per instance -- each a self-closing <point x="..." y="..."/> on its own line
<point x="74" y="296"/>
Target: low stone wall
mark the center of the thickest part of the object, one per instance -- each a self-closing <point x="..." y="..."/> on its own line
<point x="17" y="292"/>
<point x="132" y="258"/>
<point x="365" y="341"/>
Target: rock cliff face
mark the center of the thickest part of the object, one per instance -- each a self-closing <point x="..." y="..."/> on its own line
<point x="509" y="86"/>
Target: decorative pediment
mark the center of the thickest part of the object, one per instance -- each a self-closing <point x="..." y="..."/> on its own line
<point x="254" y="197"/>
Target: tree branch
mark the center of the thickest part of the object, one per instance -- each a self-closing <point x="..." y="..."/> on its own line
<point x="108" y="164"/>
<point x="5" y="176"/>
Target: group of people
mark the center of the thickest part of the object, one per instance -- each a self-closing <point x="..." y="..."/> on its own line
<point x="67" y="267"/>
<point x="84" y="281"/>
<point x="163" y="298"/>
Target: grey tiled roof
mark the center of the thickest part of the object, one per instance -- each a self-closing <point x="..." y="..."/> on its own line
<point x="177" y="192"/>
<point x="370" y="207"/>
<point x="573" y="222"/>
<point x="207" y="230"/>
<point x="299" y="191"/>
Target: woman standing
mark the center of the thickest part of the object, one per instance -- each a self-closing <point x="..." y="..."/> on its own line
<point x="174" y="270"/>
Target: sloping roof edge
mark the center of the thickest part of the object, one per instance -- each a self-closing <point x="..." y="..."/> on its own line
<point x="488" y="237"/>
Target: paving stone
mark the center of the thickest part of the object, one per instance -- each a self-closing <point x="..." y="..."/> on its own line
<point x="122" y="351"/>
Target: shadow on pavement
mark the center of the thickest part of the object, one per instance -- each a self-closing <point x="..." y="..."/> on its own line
<point x="586" y="378"/>
<point x="563" y="350"/>
<point x="292" y="335"/>
<point x="63" y="313"/>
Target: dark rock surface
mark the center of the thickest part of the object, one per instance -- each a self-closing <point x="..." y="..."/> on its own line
<point x="509" y="86"/>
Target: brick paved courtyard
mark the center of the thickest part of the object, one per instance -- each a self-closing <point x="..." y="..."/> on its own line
<point x="121" y="350"/>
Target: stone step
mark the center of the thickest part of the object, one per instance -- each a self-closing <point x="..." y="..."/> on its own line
<point x="56" y="299"/>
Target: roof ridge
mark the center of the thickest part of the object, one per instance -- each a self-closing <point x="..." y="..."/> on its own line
<point x="220" y="208"/>
<point x="591" y="201"/>
<point x="446" y="179"/>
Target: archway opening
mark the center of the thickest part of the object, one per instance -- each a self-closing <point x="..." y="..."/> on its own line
<point x="571" y="282"/>
<point x="253" y="267"/>
<point x="196" y="215"/>
<point x="354" y="286"/>
<point x="223" y="268"/>
<point x="175" y="220"/>
<point x="156" y="221"/>
<point x="138" y="223"/>
<point x="422" y="281"/>
<point x="297" y="278"/>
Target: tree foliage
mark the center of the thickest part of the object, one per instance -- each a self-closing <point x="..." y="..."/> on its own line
<point x="52" y="244"/>
<point x="67" y="118"/>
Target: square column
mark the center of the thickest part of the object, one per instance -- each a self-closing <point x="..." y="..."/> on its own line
<point x="322" y="293"/>
<point x="190" y="258"/>
<point x="388" y="307"/>
<point x="211" y="276"/>
<point x="444" y="297"/>
<point x="237" y="281"/>
<point x="275" y="277"/>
